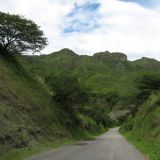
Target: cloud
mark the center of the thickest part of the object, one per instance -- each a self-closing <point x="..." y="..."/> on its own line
<point x="83" y="18"/>
<point x="89" y="26"/>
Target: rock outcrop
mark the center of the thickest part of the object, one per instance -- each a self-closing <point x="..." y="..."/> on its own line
<point x="115" y="56"/>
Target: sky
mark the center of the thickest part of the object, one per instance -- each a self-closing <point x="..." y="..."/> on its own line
<point x="90" y="26"/>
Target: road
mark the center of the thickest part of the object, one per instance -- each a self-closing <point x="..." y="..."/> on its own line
<point x="109" y="146"/>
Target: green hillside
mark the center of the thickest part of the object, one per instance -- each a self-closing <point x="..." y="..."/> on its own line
<point x="101" y="72"/>
<point x="30" y="119"/>
<point x="143" y="127"/>
<point x="26" y="109"/>
<point x="60" y="97"/>
<point x="114" y="81"/>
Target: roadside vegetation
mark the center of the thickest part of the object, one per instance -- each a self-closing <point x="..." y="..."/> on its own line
<point x="143" y="128"/>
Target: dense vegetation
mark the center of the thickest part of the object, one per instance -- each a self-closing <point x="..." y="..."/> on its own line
<point x="120" y="91"/>
<point x="77" y="95"/>
<point x="26" y="109"/>
<point x="143" y="128"/>
<point x="31" y="114"/>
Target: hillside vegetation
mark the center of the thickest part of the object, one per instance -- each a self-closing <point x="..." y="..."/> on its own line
<point x="143" y="128"/>
<point x="31" y="118"/>
<point x="26" y="108"/>
<point x="101" y="72"/>
<point x="116" y="88"/>
<point x="66" y="96"/>
<point x="109" y="76"/>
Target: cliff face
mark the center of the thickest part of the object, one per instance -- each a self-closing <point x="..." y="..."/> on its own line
<point x="115" y="56"/>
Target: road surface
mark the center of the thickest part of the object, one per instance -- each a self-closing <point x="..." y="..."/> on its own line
<point x="109" y="146"/>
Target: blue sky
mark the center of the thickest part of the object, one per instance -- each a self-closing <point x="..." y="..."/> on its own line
<point x="90" y="26"/>
<point x="145" y="3"/>
<point x="83" y="18"/>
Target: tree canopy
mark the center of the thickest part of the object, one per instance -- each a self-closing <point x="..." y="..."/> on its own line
<point x="66" y="88"/>
<point x="148" y="84"/>
<point x="18" y="34"/>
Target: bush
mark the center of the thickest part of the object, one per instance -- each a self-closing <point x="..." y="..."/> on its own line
<point x="87" y="122"/>
<point x="128" y="125"/>
<point x="66" y="88"/>
<point x="147" y="84"/>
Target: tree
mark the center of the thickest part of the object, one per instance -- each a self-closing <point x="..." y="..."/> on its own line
<point x="147" y="84"/>
<point x="150" y="82"/>
<point x="66" y="89"/>
<point x="70" y="95"/>
<point x="18" y="34"/>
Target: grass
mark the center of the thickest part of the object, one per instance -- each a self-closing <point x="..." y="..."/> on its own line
<point x="150" y="149"/>
<point x="47" y="144"/>
<point x="143" y="129"/>
<point x="42" y="146"/>
<point x="22" y="116"/>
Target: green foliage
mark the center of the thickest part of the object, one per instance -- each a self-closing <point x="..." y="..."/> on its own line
<point x="18" y="34"/>
<point x="26" y="109"/>
<point x="82" y="106"/>
<point x="87" y="123"/>
<point x="144" y="128"/>
<point x="148" y="147"/>
<point x="113" y="82"/>
<point x="66" y="88"/>
<point x="148" y="83"/>
<point x="128" y="125"/>
<point x="70" y="95"/>
<point x="101" y="75"/>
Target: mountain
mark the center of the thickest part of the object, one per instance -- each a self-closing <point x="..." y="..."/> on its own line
<point x="103" y="72"/>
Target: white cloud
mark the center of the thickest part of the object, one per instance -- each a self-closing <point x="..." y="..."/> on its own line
<point x="123" y="27"/>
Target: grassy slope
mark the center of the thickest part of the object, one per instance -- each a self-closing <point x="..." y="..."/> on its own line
<point x="29" y="118"/>
<point x="144" y="129"/>
<point x="27" y="112"/>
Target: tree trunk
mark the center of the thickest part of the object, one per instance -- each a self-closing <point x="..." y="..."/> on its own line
<point x="4" y="49"/>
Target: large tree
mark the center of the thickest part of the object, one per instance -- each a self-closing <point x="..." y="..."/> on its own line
<point x="18" y="34"/>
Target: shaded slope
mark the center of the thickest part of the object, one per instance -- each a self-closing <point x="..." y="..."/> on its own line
<point x="26" y="108"/>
